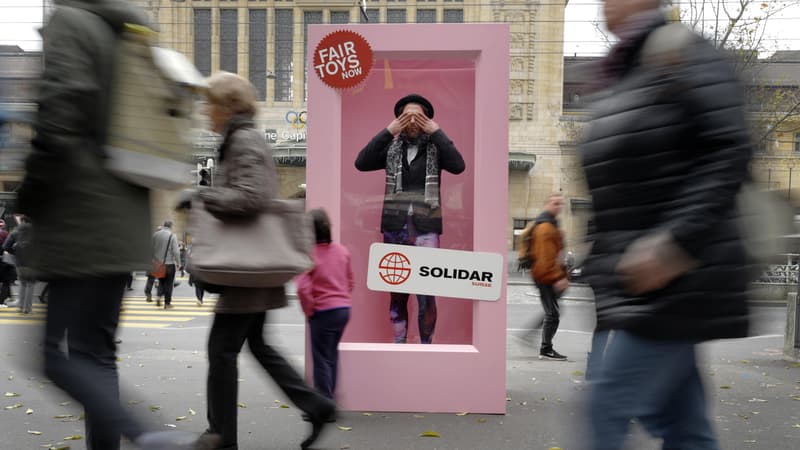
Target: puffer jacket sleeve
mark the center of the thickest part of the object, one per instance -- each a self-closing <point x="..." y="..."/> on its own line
<point x="251" y="178"/>
<point x="721" y="150"/>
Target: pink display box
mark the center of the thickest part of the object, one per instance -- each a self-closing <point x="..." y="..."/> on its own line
<point x="463" y="70"/>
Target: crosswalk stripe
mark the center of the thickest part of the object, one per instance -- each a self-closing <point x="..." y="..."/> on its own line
<point x="121" y="325"/>
<point x="136" y="313"/>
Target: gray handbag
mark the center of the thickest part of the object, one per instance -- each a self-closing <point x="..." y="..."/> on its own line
<point x="258" y="252"/>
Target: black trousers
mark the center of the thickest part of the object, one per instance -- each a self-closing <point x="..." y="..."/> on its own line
<point x="228" y="334"/>
<point x="549" y="300"/>
<point x="148" y="286"/>
<point x="167" y="283"/>
<point x="85" y="314"/>
<point x="326" y="329"/>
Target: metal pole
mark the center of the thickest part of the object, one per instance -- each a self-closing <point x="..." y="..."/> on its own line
<point x="769" y="179"/>
<point x="789" y="194"/>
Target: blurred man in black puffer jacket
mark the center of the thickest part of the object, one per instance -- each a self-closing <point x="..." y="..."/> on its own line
<point x="665" y="155"/>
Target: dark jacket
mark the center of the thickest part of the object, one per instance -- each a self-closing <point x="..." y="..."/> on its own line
<point x="667" y="151"/>
<point x="245" y="182"/>
<point x="395" y="213"/>
<point x="18" y="244"/>
<point x="88" y="222"/>
<point x="547" y="243"/>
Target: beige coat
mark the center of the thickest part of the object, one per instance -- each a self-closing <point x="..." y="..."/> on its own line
<point x="246" y="180"/>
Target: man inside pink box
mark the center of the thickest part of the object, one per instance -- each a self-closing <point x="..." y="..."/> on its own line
<point x="413" y="150"/>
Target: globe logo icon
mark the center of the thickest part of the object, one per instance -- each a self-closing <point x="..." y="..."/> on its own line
<point x="394" y="268"/>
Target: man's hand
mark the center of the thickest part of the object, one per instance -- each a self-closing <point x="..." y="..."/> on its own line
<point x="561" y="285"/>
<point x="427" y="125"/>
<point x="399" y="124"/>
<point x="653" y="262"/>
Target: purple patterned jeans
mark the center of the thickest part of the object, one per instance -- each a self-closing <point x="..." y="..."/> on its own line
<point x="398" y="307"/>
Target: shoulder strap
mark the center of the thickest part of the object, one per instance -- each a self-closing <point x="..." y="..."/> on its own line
<point x="169" y="241"/>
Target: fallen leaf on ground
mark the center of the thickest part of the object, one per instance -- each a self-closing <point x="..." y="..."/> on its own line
<point x="154" y="408"/>
<point x="170" y="425"/>
<point x="418" y="416"/>
<point x="430" y="434"/>
<point x="757" y="400"/>
<point x="64" y="403"/>
<point x="192" y="412"/>
<point x="179" y="418"/>
<point x="63" y="416"/>
<point x="74" y="437"/>
<point x="284" y="406"/>
<point x="35" y="433"/>
<point x="797" y="425"/>
<point x="344" y="428"/>
<point x="725" y="387"/>
<point x="14" y="406"/>
<point x="366" y="414"/>
<point x="29" y="411"/>
<point x="481" y="420"/>
<point x="462" y="414"/>
<point x="12" y="394"/>
<point x="61" y="447"/>
<point x="241" y="405"/>
<point x="578" y="373"/>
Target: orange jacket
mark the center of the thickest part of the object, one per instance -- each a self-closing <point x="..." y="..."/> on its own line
<point x="547" y="244"/>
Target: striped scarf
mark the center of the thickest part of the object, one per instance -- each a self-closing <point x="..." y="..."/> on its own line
<point x="394" y="168"/>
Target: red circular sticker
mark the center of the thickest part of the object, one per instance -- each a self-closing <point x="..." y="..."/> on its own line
<point x="343" y="59"/>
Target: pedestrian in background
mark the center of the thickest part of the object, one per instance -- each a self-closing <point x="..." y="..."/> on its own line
<point x="199" y="292"/>
<point x="548" y="271"/>
<point x="151" y="280"/>
<point x="18" y="244"/>
<point x="182" y="258"/>
<point x="666" y="153"/>
<point x="246" y="181"/>
<point x="7" y="272"/>
<point x="91" y="226"/>
<point x="324" y="294"/>
<point x="166" y="251"/>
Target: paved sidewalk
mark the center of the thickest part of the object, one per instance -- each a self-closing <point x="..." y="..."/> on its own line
<point x="754" y="393"/>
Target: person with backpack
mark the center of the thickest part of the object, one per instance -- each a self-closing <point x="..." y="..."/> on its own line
<point x="91" y="225"/>
<point x="18" y="244"/>
<point x="324" y="294"/>
<point x="546" y="245"/>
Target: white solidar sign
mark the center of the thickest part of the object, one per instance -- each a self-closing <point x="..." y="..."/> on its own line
<point x="434" y="271"/>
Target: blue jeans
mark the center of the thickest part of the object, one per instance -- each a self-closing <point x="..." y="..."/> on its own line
<point x="326" y="331"/>
<point x="654" y="381"/>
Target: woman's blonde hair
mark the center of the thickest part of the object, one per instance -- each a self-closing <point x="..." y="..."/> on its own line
<point x="233" y="92"/>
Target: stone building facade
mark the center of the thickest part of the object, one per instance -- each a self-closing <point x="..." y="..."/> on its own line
<point x="264" y="41"/>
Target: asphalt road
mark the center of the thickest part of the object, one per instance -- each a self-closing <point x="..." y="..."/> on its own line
<point x="754" y="392"/>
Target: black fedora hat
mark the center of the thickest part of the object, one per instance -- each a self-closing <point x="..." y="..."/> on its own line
<point x="413" y="98"/>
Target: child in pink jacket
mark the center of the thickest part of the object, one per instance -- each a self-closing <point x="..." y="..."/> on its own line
<point x="324" y="294"/>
